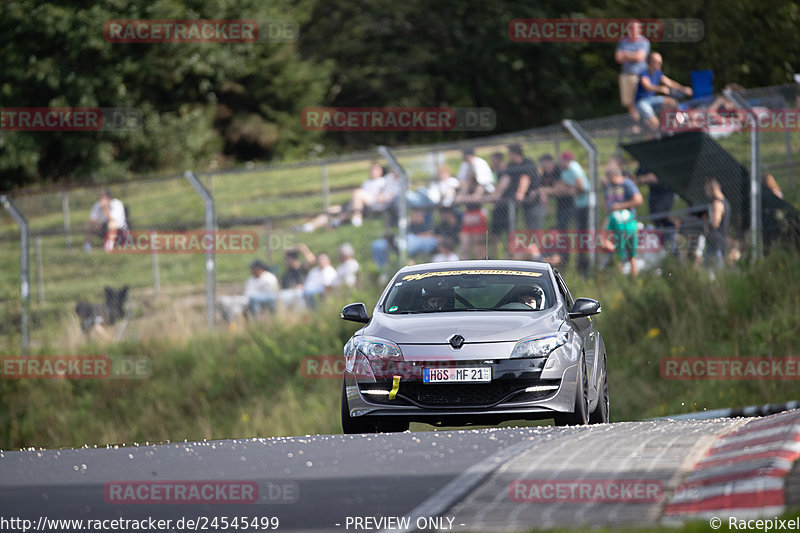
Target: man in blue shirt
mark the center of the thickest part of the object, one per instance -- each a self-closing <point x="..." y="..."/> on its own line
<point x="631" y="53"/>
<point x="654" y="81"/>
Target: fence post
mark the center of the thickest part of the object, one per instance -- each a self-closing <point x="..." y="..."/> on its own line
<point x="268" y="240"/>
<point x="580" y="134"/>
<point x="402" y="215"/>
<point x="24" y="270"/>
<point x="67" y="225"/>
<point x="156" y="277"/>
<point x="755" y="175"/>
<point x="39" y="274"/>
<point x="326" y="189"/>
<point x="210" y="217"/>
<point x="788" y="141"/>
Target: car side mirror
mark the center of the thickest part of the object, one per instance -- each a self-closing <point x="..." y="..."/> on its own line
<point x="356" y="312"/>
<point x="584" y="307"/>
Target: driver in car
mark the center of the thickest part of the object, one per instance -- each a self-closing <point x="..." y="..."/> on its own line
<point x="439" y="299"/>
<point x="533" y="297"/>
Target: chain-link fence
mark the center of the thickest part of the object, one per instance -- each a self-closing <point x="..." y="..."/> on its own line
<point x="191" y="241"/>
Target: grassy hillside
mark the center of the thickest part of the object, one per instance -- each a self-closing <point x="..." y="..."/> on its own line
<point x="250" y="383"/>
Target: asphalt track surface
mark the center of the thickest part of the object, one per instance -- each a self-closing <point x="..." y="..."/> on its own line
<point x="329" y="482"/>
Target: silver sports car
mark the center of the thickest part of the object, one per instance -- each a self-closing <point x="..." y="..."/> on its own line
<point x="474" y="342"/>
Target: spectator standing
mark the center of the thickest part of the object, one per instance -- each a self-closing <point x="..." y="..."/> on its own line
<point x="550" y="172"/>
<point x="622" y="198"/>
<point x="106" y="219"/>
<point x="477" y="167"/>
<point x="631" y="54"/>
<point x="660" y="200"/>
<point x="535" y="208"/>
<point x="573" y="190"/>
<point x="512" y="188"/>
<point x="473" y="224"/>
<point x="717" y="225"/>
<point x="497" y="162"/>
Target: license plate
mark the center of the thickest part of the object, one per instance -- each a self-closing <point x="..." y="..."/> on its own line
<point x="467" y="374"/>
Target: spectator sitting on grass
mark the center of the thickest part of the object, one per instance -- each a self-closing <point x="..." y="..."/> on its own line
<point x="320" y="279"/>
<point x="377" y="202"/>
<point x="419" y="239"/>
<point x="348" y="266"/>
<point x="294" y="275"/>
<point x="260" y="289"/>
<point x="446" y="250"/>
<point x="442" y="191"/>
<point x="377" y="193"/>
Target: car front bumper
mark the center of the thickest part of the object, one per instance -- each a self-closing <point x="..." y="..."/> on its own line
<point x="520" y="389"/>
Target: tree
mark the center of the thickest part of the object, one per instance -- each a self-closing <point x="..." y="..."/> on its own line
<point x="198" y="101"/>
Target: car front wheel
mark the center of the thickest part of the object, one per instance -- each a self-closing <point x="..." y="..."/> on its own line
<point x="600" y="415"/>
<point x="580" y="415"/>
<point x="354" y="425"/>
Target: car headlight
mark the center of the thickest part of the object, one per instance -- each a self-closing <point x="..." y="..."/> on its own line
<point x="539" y="346"/>
<point x="375" y="348"/>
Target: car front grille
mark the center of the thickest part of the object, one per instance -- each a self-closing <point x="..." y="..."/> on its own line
<point x="441" y="395"/>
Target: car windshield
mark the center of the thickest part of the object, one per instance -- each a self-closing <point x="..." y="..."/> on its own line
<point x="439" y="291"/>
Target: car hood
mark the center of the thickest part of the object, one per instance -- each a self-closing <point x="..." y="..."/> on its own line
<point x="474" y="326"/>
